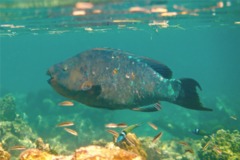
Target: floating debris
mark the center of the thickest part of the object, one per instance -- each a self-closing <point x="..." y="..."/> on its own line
<point x="71" y="131"/>
<point x="157" y="9"/>
<point x="153" y="126"/>
<point x="126" y="21"/>
<point x="66" y="103"/>
<point x="168" y="14"/>
<point x="97" y="11"/>
<point x="84" y="5"/>
<point x="18" y="148"/>
<point x="158" y="136"/>
<point x="162" y="24"/>
<point x="65" y="124"/>
<point x="79" y="13"/>
<point x="139" y="10"/>
<point x="88" y="29"/>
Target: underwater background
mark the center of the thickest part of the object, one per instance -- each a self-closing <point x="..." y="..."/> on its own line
<point x="196" y="39"/>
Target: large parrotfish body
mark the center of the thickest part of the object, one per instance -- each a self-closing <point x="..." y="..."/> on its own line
<point x="114" y="79"/>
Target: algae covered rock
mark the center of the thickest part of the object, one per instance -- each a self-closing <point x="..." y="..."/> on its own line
<point x="7" y="108"/>
<point x="14" y="131"/>
<point x="84" y="153"/>
<point x="102" y="153"/>
<point x="4" y="155"/>
<point x="223" y="145"/>
<point x="35" y="154"/>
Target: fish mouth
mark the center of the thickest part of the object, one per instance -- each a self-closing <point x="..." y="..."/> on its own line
<point x="51" y="77"/>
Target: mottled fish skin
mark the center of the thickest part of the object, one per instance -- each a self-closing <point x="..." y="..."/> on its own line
<point x="133" y="83"/>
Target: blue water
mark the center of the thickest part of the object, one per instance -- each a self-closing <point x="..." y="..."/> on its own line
<point x="204" y="47"/>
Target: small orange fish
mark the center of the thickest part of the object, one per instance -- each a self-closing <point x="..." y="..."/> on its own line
<point x="189" y="150"/>
<point x="206" y="145"/>
<point x="71" y="131"/>
<point x="65" y="124"/>
<point x="233" y="117"/>
<point x="18" y="148"/>
<point x="66" y="103"/>
<point x="115" y="71"/>
<point x="153" y="125"/>
<point x="158" y="136"/>
<point x="133" y="75"/>
<point x="183" y="143"/>
<point x="114" y="133"/>
<point x="217" y="150"/>
<point x="111" y="125"/>
<point x="122" y="125"/>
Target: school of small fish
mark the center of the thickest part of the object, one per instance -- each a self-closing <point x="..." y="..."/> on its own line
<point x="123" y="135"/>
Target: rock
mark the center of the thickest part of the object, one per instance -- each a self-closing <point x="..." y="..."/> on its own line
<point x="4" y="155"/>
<point x="101" y="153"/>
<point x="84" y="153"/>
<point x="35" y="154"/>
<point x="7" y="108"/>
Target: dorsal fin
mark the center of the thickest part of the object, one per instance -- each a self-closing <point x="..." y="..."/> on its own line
<point x="158" y="67"/>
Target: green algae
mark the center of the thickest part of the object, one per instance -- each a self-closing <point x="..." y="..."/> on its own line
<point x="7" y="108"/>
<point x="223" y="145"/>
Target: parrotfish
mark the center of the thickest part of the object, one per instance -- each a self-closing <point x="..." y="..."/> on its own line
<point x="115" y="79"/>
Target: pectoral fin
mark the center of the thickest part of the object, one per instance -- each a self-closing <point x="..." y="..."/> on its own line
<point x="151" y="108"/>
<point x="95" y="90"/>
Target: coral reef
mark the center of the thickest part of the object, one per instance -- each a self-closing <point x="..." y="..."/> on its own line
<point x="84" y="153"/>
<point x="101" y="153"/>
<point x="135" y="147"/>
<point x="35" y="154"/>
<point x="223" y="145"/>
<point x="13" y="131"/>
<point x="169" y="149"/>
<point x="89" y="124"/>
<point x="45" y="146"/>
<point x="3" y="154"/>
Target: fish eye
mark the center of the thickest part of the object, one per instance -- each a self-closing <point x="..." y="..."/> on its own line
<point x="65" y="67"/>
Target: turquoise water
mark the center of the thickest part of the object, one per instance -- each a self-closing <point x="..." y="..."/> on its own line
<point x="200" y="40"/>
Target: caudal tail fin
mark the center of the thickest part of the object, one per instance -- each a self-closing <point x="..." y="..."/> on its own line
<point x="188" y="96"/>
